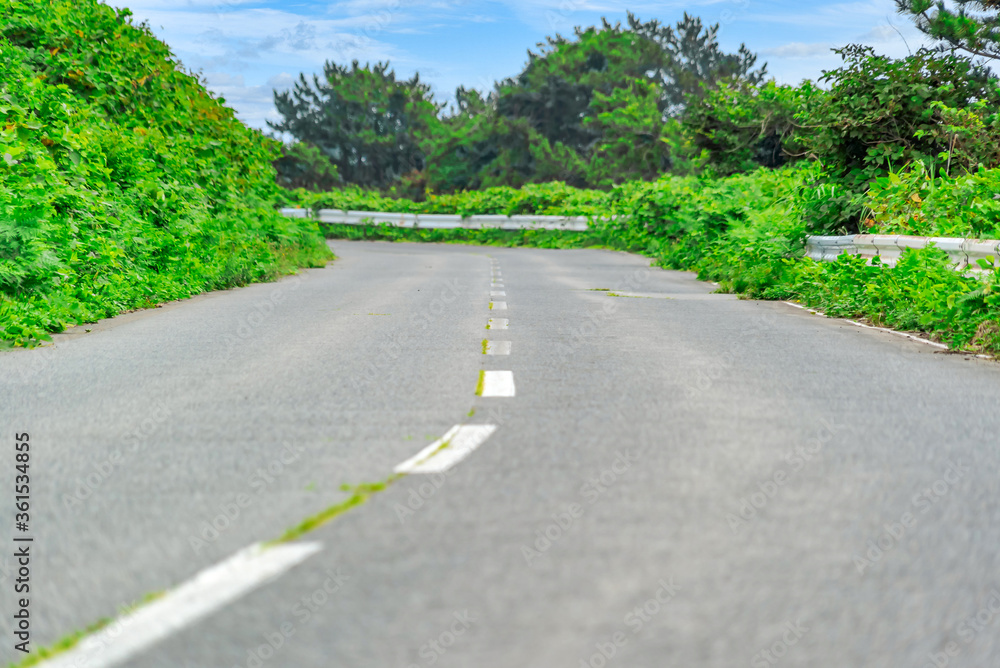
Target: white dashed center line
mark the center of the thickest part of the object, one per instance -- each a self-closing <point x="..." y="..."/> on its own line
<point x="200" y="596"/>
<point x="498" y="384"/>
<point x="498" y="347"/>
<point x="448" y="450"/>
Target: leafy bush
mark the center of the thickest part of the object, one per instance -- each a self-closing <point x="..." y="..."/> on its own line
<point x="305" y="166"/>
<point x="740" y="128"/>
<point x="482" y="237"/>
<point x="552" y="198"/>
<point x="912" y="201"/>
<point x="123" y="183"/>
<point x="883" y="113"/>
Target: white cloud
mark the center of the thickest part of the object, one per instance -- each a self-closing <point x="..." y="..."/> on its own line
<point x="798" y="50"/>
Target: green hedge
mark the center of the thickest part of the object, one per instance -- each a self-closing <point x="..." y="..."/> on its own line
<point x="123" y="182"/>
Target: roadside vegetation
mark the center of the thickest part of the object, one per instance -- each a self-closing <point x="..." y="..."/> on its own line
<point x="123" y="183"/>
<point x="696" y="158"/>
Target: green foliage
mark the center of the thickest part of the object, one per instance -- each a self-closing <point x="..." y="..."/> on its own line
<point x="367" y="123"/>
<point x="123" y="183"/>
<point x="305" y="166"/>
<point x="553" y="198"/>
<point x="555" y="90"/>
<point x="921" y="293"/>
<point x="506" y="238"/>
<point x="739" y="128"/>
<point x="972" y="26"/>
<point x="588" y="110"/>
<point x="632" y="138"/>
<point x="913" y="201"/>
<point x="883" y="113"/>
<point x="692" y="63"/>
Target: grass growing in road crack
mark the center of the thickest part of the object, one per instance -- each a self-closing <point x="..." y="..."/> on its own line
<point x="71" y="640"/>
<point x="360" y="495"/>
<point x="485" y="344"/>
<point x="479" y="385"/>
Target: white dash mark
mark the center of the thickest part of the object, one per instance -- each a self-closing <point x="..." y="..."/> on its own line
<point x="497" y="293"/>
<point x="208" y="591"/>
<point x="448" y="450"/>
<point x="498" y="347"/>
<point x="498" y="384"/>
<point x="498" y="306"/>
<point x="498" y="323"/>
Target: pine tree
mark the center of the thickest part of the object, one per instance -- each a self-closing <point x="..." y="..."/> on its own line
<point x="972" y="26"/>
<point x="367" y="122"/>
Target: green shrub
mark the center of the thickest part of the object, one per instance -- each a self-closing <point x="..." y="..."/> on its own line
<point x="123" y="183"/>
<point x="883" y="113"/>
<point x="912" y="201"/>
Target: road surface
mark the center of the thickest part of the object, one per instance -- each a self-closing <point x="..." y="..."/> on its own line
<point x="675" y="477"/>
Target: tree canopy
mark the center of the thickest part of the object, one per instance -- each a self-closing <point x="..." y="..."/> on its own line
<point x="972" y="26"/>
<point x="596" y="108"/>
<point x="363" y="119"/>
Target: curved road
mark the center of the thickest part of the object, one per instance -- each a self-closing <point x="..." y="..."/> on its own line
<point x="668" y="477"/>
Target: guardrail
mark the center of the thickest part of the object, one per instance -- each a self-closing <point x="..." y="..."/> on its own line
<point x="964" y="253"/>
<point x="887" y="247"/>
<point x="436" y="221"/>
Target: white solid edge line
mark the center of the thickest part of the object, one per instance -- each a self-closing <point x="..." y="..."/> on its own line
<point x="498" y="306"/>
<point x="203" y="594"/>
<point x="498" y="323"/>
<point x="498" y="347"/>
<point x="427" y="452"/>
<point x="498" y="384"/>
<point x="911" y="337"/>
<point x="462" y="442"/>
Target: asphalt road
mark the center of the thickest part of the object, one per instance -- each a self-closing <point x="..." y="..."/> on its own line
<point x="680" y="479"/>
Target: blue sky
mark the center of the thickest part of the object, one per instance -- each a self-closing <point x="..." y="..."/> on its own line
<point x="248" y="48"/>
